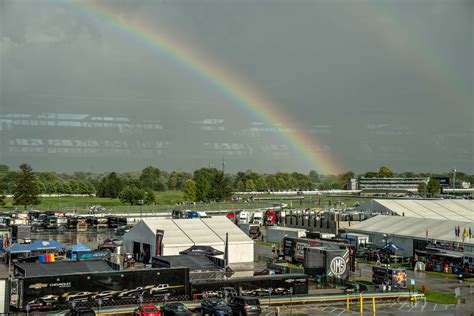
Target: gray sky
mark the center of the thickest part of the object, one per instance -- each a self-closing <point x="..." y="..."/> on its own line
<point x="369" y="82"/>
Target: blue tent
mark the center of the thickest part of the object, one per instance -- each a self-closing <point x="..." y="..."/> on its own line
<point x="19" y="248"/>
<point x="34" y="246"/>
<point x="79" y="248"/>
<point x="47" y="244"/>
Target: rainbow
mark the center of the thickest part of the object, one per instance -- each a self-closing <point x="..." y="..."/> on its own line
<point x="255" y="105"/>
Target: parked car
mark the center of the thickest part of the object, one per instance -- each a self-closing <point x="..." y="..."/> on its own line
<point x="147" y="310"/>
<point x="245" y="305"/>
<point x="175" y="308"/>
<point x="81" y="311"/>
<point x="228" y="292"/>
<point x="355" y="287"/>
<point x="210" y="294"/>
<point x="215" y="306"/>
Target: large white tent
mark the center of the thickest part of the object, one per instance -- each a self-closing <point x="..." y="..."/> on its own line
<point x="181" y="234"/>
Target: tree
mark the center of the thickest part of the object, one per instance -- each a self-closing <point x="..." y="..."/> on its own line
<point x="250" y="185"/>
<point x="189" y="191"/>
<point x="385" y="172"/>
<point x="173" y="180"/>
<point x="370" y="174"/>
<point x="221" y="188"/>
<point x="110" y="186"/>
<point x="26" y="189"/>
<point x="150" y="197"/>
<point x="203" y="190"/>
<point x="240" y="186"/>
<point x="313" y="176"/>
<point x="433" y="187"/>
<point x="132" y="195"/>
<point x="422" y="189"/>
<point x="150" y="178"/>
<point x="2" y="200"/>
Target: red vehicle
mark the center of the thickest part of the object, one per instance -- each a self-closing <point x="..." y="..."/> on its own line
<point x="232" y="217"/>
<point x="271" y="218"/>
<point x="147" y="310"/>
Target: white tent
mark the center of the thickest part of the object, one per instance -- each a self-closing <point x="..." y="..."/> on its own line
<point x="180" y="234"/>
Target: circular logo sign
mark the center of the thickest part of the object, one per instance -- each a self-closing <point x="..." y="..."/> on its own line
<point x="338" y="266"/>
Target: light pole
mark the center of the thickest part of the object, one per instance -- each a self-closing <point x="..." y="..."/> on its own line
<point x="454" y="181"/>
<point x="141" y="208"/>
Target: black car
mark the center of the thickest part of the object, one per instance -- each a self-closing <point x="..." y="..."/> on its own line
<point x="175" y="308"/>
<point x="245" y="305"/>
<point x="81" y="311"/>
<point x="215" y="306"/>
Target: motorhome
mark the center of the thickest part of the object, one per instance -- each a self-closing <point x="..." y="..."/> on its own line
<point x="245" y="217"/>
<point x="258" y="218"/>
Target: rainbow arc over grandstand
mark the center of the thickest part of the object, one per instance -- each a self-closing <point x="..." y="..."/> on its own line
<point x="202" y="66"/>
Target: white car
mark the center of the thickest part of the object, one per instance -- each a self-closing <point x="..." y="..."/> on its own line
<point x="79" y="296"/>
<point x="159" y="288"/>
<point x="210" y="294"/>
<point x="106" y="295"/>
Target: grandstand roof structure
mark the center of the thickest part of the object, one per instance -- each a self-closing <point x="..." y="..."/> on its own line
<point x="412" y="227"/>
<point x="454" y="210"/>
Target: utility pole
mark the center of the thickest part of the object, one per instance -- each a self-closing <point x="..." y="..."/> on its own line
<point x="223" y="165"/>
<point x="454" y="181"/>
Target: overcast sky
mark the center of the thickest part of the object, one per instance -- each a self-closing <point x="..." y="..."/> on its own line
<point x="369" y="82"/>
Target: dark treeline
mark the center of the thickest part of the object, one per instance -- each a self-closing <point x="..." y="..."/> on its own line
<point x="204" y="184"/>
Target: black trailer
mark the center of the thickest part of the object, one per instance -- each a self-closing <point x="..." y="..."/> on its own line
<point x="293" y="247"/>
<point x="247" y="285"/>
<point x="58" y="286"/>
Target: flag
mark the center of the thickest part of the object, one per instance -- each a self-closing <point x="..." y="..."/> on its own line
<point x="427" y="234"/>
<point x="464" y="233"/>
<point x="470" y="233"/>
<point x="455" y="231"/>
<point x="459" y="231"/>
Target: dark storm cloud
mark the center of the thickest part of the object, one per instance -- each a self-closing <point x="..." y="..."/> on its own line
<point x="373" y="82"/>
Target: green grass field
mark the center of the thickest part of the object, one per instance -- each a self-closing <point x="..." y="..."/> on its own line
<point x="168" y="200"/>
<point x="439" y="297"/>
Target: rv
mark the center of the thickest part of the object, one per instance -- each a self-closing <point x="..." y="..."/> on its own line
<point x="258" y="218"/>
<point x="245" y="217"/>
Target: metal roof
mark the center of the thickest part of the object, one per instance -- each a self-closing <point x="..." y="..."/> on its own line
<point x="31" y="270"/>
<point x="414" y="228"/>
<point x="456" y="210"/>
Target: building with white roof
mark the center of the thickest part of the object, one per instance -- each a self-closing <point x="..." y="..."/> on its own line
<point x="406" y="232"/>
<point x="454" y="210"/>
<point x="181" y="234"/>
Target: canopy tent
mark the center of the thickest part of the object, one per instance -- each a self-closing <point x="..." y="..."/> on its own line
<point x="35" y="246"/>
<point x="201" y="251"/>
<point x="79" y="248"/>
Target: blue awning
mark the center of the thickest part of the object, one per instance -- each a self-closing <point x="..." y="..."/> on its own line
<point x="79" y="248"/>
<point x="34" y="246"/>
